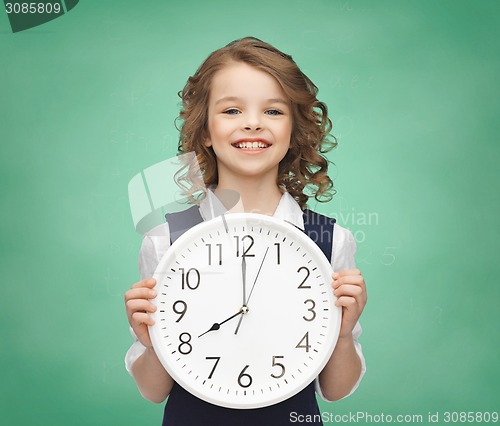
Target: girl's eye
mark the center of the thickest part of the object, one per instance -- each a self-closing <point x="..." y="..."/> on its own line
<point x="231" y="111"/>
<point x="273" y="112"/>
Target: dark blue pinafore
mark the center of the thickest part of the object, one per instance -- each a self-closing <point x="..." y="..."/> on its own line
<point x="184" y="409"/>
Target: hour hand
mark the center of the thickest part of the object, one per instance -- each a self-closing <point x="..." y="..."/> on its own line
<point x="217" y="325"/>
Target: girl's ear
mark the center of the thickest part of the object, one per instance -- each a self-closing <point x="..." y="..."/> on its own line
<point x="205" y="137"/>
<point x="207" y="141"/>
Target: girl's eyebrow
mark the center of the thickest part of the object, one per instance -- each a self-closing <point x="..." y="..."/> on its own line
<point x="235" y="98"/>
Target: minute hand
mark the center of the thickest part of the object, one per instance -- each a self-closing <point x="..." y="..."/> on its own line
<point x="251" y="291"/>
<point x="244" y="278"/>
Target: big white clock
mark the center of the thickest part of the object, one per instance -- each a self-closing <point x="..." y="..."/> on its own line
<point x="245" y="311"/>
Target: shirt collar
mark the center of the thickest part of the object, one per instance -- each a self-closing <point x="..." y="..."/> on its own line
<point x="288" y="209"/>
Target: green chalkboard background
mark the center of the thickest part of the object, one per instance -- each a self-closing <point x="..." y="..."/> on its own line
<point x="89" y="99"/>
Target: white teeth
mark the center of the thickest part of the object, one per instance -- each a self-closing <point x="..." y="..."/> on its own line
<point x="251" y="145"/>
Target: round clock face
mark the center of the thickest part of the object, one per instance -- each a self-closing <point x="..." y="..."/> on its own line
<point x="246" y="315"/>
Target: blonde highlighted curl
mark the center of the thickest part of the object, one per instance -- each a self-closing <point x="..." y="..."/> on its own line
<point x="303" y="171"/>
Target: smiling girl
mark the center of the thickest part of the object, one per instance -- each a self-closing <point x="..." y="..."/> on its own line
<point x="257" y="128"/>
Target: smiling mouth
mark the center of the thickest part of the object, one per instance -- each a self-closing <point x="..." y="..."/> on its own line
<point x="255" y="146"/>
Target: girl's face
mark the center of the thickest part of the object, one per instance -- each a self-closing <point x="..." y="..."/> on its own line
<point x="249" y="123"/>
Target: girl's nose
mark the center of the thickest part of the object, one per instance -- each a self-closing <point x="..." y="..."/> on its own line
<point x="253" y="124"/>
<point x="253" y="127"/>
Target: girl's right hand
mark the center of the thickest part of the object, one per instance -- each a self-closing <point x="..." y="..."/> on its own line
<point x="138" y="306"/>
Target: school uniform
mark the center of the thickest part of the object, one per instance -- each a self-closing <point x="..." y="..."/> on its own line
<point x="182" y="408"/>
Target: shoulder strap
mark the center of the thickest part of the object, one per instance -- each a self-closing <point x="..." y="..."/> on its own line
<point x="180" y="222"/>
<point x="319" y="228"/>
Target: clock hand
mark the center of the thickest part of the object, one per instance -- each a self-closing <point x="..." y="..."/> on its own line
<point x="238" y="326"/>
<point x="243" y="274"/>
<point x="258" y="272"/>
<point x="216" y="325"/>
<point x="251" y="291"/>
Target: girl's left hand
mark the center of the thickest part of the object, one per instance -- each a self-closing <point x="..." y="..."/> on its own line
<point x="349" y="286"/>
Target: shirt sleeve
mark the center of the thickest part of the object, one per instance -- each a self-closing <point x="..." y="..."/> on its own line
<point x="343" y="253"/>
<point x="154" y="245"/>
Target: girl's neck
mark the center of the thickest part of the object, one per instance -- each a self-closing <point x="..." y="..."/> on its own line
<point x="255" y="196"/>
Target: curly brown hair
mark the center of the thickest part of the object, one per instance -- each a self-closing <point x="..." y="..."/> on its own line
<point x="303" y="170"/>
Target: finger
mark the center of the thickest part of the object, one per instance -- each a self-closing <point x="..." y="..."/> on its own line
<point x="349" y="279"/>
<point x="349" y="290"/>
<point x="344" y="272"/>
<point x="140" y="293"/>
<point x="139" y="305"/>
<point x="347" y="302"/>
<point x="148" y="282"/>
<point x="139" y="318"/>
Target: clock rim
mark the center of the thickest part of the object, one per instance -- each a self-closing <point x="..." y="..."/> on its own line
<point x="171" y="368"/>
